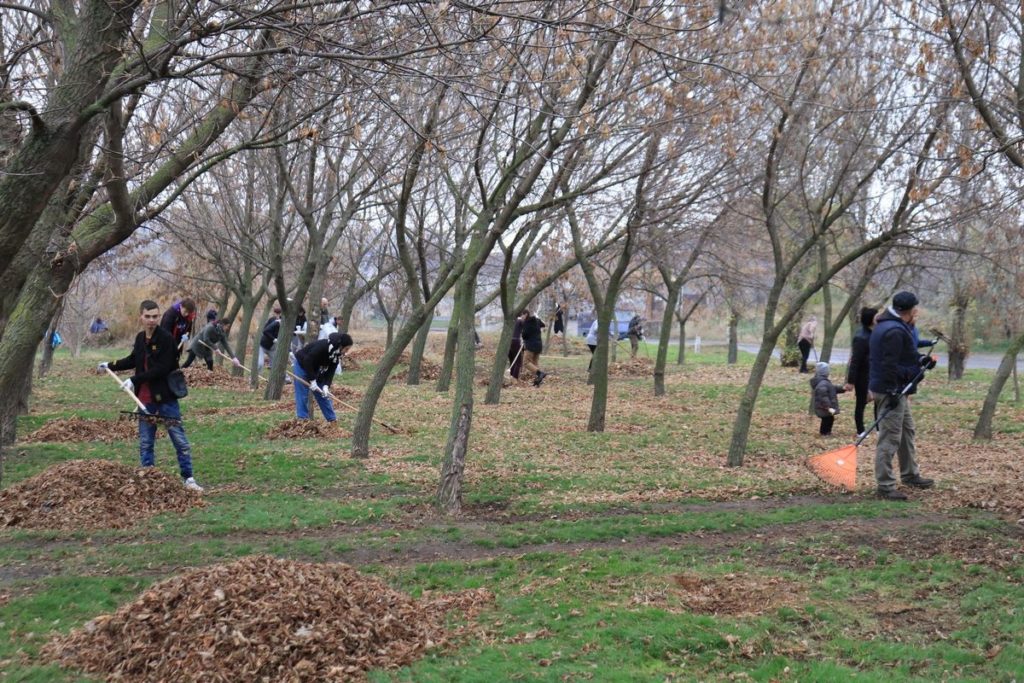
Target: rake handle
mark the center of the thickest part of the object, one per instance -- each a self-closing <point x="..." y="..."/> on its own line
<point x="327" y="392"/>
<point x="131" y="393"/>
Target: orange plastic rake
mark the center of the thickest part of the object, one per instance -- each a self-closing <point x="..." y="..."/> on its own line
<point x="838" y="467"/>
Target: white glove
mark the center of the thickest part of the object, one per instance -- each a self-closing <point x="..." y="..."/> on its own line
<point x="299" y="331"/>
<point x="236" y="362"/>
<point x="101" y="368"/>
<point x="184" y="337"/>
<point x="316" y="387"/>
<point x="831" y="411"/>
<point x="127" y="385"/>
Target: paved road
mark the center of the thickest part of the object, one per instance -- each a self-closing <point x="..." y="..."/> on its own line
<point x="975" y="361"/>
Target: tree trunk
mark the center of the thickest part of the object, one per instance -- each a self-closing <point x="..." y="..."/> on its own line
<point x="983" y="429"/>
<point x="449" y="492"/>
<point x="444" y="380"/>
<point x="734" y="346"/>
<point x="790" y="351"/>
<point x="664" y="337"/>
<point x="599" y="369"/>
<point x="500" y="365"/>
<point x="241" y="346"/>
<point x="681" y="355"/>
<point x="741" y="427"/>
<point x="829" y="335"/>
<point x="46" y="359"/>
<point x="958" y="350"/>
<point x="418" y="348"/>
<point x="565" y="332"/>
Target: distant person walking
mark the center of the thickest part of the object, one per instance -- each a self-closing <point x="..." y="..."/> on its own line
<point x="858" y="369"/>
<point x="559" y="327"/>
<point x="635" y="332"/>
<point x="805" y="340"/>
<point x="533" y="345"/>
<point x="592" y="340"/>
<point x="269" y="337"/>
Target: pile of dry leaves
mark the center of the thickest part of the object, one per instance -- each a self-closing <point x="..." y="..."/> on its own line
<point x="307" y="429"/>
<point x="734" y="594"/>
<point x="199" y="376"/>
<point x="371" y="354"/>
<point x="81" y="429"/>
<point x="263" y="618"/>
<point x="90" y="494"/>
<point x="429" y="370"/>
<point x="634" y="367"/>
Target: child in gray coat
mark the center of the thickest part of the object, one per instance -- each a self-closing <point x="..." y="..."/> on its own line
<point x="824" y="398"/>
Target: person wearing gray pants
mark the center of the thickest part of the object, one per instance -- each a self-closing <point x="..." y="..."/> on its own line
<point x="895" y="368"/>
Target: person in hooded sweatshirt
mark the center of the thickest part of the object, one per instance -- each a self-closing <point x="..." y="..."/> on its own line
<point x="824" y="398"/>
<point x="316" y="364"/>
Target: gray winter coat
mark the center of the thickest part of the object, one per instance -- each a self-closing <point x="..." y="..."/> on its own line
<point x="823" y="393"/>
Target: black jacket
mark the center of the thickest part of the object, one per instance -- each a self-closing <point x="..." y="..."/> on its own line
<point x="857" y="372"/>
<point x="892" y="356"/>
<point x="270" y="332"/>
<point x="159" y="357"/>
<point x="175" y="322"/>
<point x="532" y="340"/>
<point x="316" y="362"/>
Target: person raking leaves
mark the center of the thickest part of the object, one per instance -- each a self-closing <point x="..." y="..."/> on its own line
<point x="315" y="364"/>
<point x="154" y="357"/>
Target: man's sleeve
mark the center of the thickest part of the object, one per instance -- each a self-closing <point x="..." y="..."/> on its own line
<point x="126" y="363"/>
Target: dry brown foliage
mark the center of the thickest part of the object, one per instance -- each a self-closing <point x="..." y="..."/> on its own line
<point x="92" y="494"/>
<point x="198" y="376"/>
<point x="633" y="367"/>
<point x="307" y="429"/>
<point x="429" y="370"/>
<point x="74" y="429"/>
<point x="263" y="618"/>
<point x="737" y="595"/>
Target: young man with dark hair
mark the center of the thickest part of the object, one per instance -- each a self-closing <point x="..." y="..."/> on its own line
<point x="214" y="333"/>
<point x="316" y="363"/>
<point x="153" y="358"/>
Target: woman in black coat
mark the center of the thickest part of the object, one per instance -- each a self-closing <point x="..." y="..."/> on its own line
<point x="857" y="372"/>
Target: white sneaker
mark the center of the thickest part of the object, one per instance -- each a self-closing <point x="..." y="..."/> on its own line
<point x="192" y="485"/>
<point x="862" y="435"/>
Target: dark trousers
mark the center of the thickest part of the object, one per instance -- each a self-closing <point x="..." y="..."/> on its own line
<point x="826" y="425"/>
<point x="592" y="347"/>
<point x="805" y="351"/>
<point x="192" y="356"/>
<point x="858" y="408"/>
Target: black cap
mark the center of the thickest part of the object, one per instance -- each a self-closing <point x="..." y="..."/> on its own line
<point x="904" y="301"/>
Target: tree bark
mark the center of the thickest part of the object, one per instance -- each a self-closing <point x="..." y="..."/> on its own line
<point x="983" y="428"/>
<point x="449" y="494"/>
<point x="734" y="346"/>
<point x="681" y="353"/>
<point x="959" y="348"/>
<point x="444" y="379"/>
<point x="419" y="346"/>
<point x="663" y="338"/>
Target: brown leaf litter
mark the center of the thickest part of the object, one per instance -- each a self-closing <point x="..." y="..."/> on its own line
<point x="737" y="595"/>
<point x="92" y="494"/>
<point x="307" y="429"/>
<point x="634" y="367"/>
<point x="76" y="429"/>
<point x="264" y="619"/>
<point x="429" y="370"/>
<point x="197" y="376"/>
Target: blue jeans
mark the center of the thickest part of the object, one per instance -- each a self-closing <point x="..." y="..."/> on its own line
<point x="147" y="435"/>
<point x="302" y="398"/>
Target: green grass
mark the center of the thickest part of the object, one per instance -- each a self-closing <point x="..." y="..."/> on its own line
<point x="579" y="536"/>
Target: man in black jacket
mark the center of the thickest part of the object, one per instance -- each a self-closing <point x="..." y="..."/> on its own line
<point x="316" y="363"/>
<point x="894" y="364"/>
<point x="179" y="320"/>
<point x="154" y="356"/>
<point x="533" y="344"/>
<point x="269" y="337"/>
<point x="857" y="371"/>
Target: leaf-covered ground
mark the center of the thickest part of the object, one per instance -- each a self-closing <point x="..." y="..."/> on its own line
<point x="633" y="554"/>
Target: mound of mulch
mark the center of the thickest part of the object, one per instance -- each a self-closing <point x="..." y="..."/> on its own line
<point x="635" y="367"/>
<point x="75" y="429"/>
<point x="307" y="429"/>
<point x="198" y="376"/>
<point x="263" y="618"/>
<point x="429" y="371"/>
<point x="93" y="494"/>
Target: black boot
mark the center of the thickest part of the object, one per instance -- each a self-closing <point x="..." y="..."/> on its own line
<point x="919" y="482"/>
<point x="891" y="494"/>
